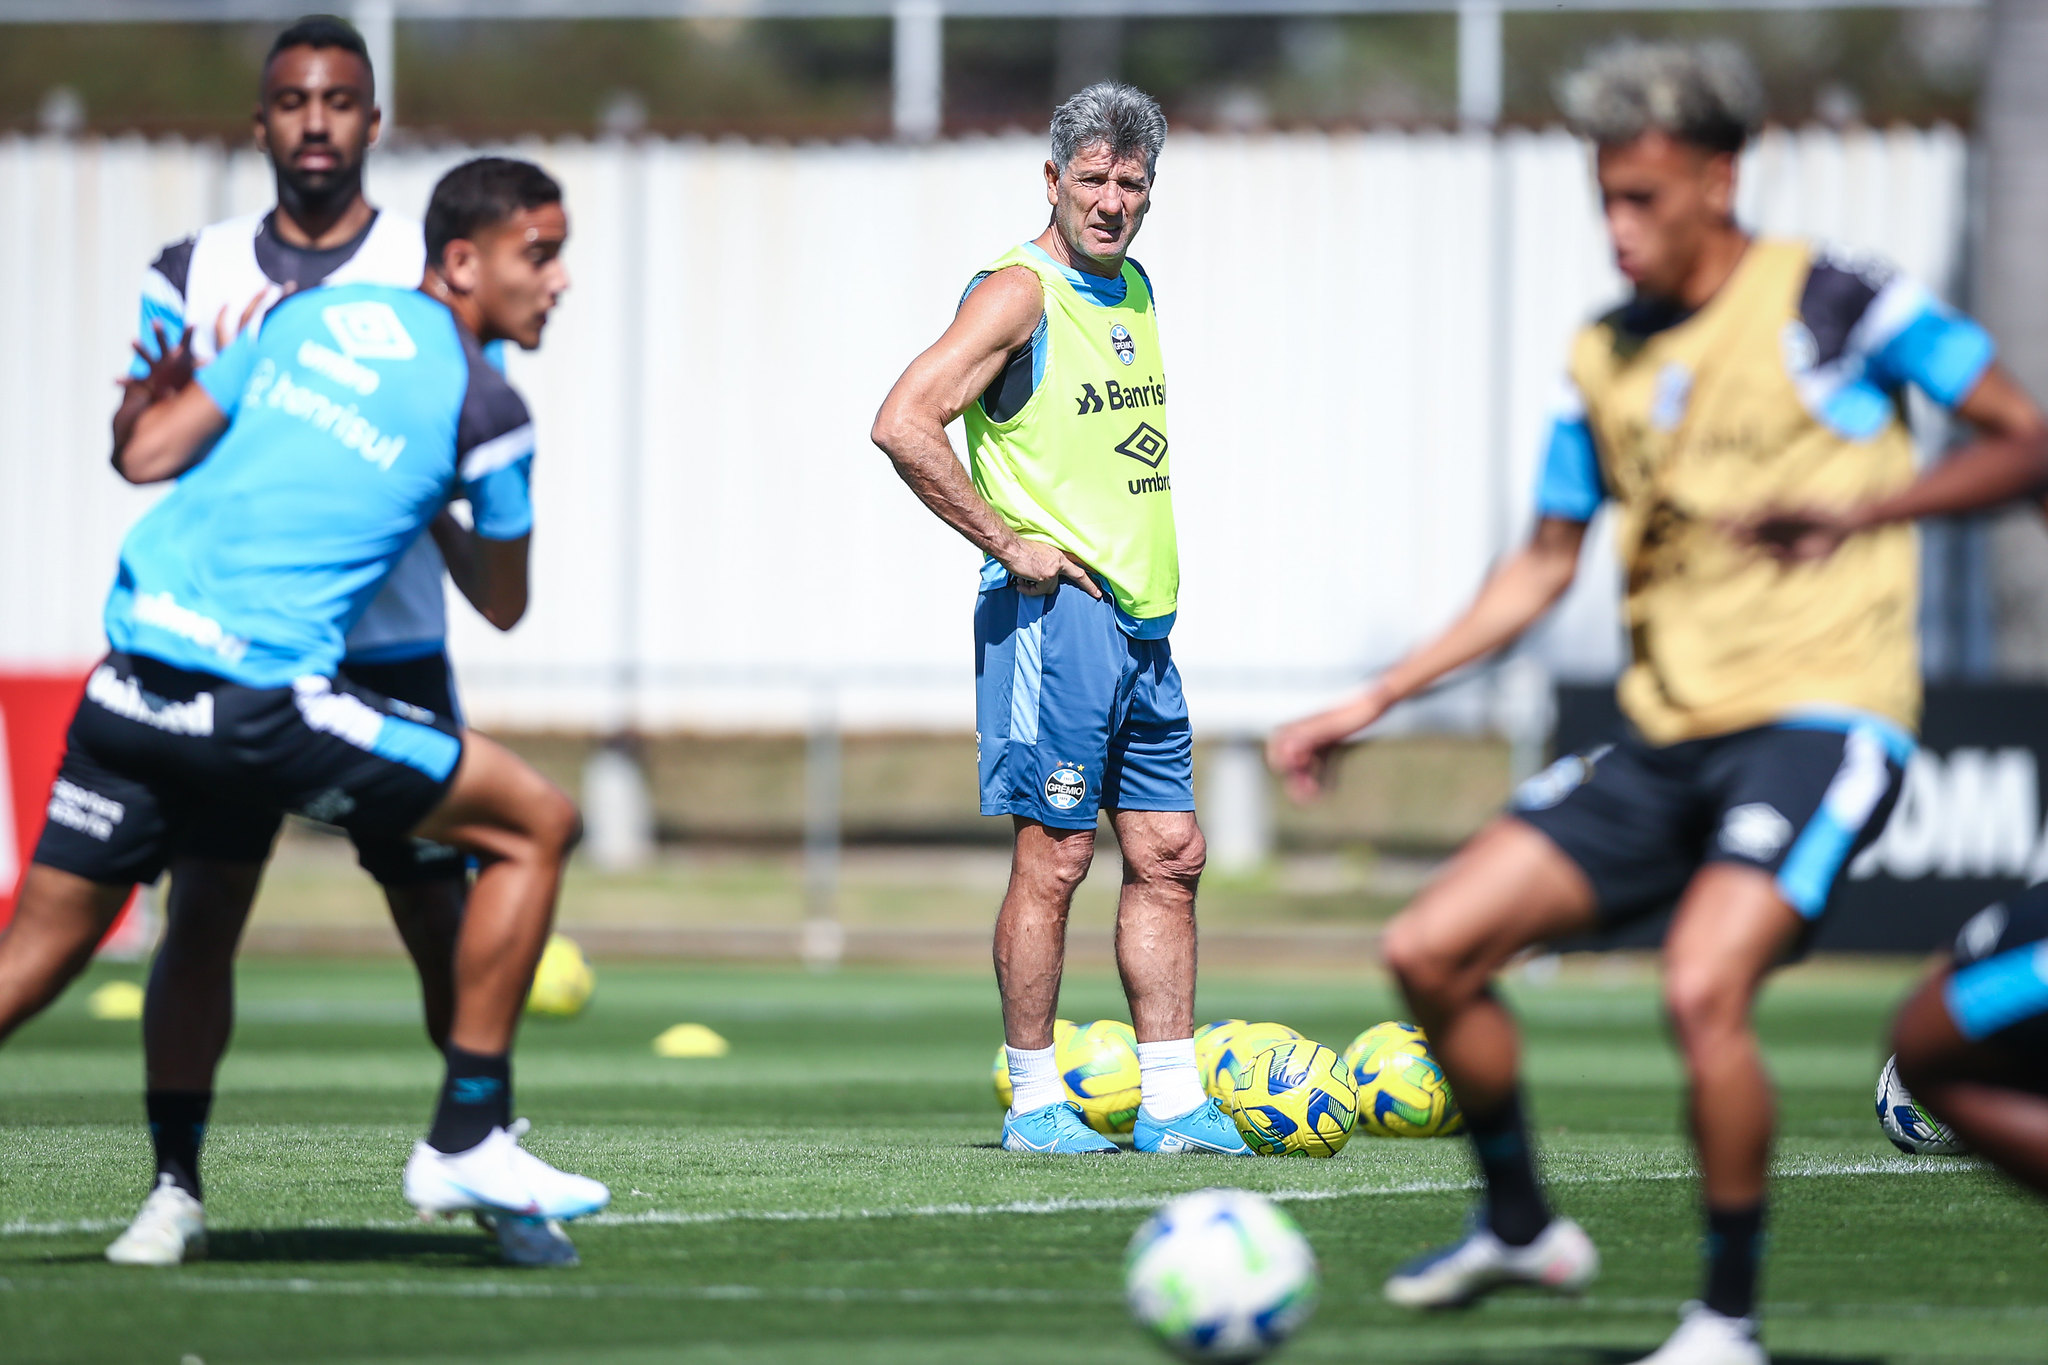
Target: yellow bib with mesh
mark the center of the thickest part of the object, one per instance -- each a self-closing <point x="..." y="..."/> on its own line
<point x="1084" y="464"/>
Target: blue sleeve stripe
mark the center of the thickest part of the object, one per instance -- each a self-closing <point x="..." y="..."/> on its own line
<point x="1942" y="353"/>
<point x="502" y="501"/>
<point x="1986" y="997"/>
<point x="1570" y="487"/>
<point x="420" y="747"/>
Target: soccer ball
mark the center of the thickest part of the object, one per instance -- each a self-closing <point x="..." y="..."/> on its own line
<point x="1295" y="1100"/>
<point x="1401" y="1088"/>
<point x="1220" y="1275"/>
<point x="1209" y="1041"/>
<point x="1910" y="1127"/>
<point x="999" y="1073"/>
<point x="1099" y="1063"/>
<point x="1240" y="1042"/>
<point x="562" y="981"/>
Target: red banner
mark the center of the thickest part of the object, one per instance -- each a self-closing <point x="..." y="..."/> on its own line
<point x="35" y="711"/>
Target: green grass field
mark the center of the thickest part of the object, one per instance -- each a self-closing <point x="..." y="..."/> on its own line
<point x="831" y="1192"/>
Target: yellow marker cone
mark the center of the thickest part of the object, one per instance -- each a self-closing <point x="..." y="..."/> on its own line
<point x="690" y="1040"/>
<point x="116" y="1000"/>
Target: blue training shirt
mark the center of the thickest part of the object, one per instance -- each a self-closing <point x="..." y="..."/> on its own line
<point x="355" y="414"/>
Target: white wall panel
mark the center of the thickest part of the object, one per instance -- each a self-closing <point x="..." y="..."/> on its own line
<point x="1363" y="334"/>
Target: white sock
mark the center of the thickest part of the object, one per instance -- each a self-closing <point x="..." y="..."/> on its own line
<point x="1169" y="1085"/>
<point x="1035" y="1078"/>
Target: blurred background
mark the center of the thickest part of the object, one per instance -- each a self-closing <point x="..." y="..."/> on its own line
<point x="750" y="650"/>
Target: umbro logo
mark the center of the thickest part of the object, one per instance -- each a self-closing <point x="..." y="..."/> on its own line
<point x="1146" y="445"/>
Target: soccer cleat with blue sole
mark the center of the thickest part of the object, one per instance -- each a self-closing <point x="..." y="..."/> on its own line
<point x="1204" y="1129"/>
<point x="1054" y="1130"/>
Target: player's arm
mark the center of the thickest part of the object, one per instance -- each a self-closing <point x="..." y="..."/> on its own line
<point x="2006" y="459"/>
<point x="166" y="422"/>
<point x="994" y="321"/>
<point x="1513" y="598"/>
<point x="492" y="574"/>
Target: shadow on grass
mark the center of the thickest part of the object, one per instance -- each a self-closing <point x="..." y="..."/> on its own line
<point x="337" y="1245"/>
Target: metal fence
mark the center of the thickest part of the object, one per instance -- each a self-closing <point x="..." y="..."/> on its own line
<point x="1363" y="333"/>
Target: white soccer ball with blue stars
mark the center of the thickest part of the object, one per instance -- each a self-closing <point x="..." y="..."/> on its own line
<point x="1220" y="1275"/>
<point x="1907" y="1123"/>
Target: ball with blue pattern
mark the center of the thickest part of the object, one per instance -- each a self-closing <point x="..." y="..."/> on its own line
<point x="1907" y="1123"/>
<point x="1220" y="1275"/>
<point x="1295" y="1099"/>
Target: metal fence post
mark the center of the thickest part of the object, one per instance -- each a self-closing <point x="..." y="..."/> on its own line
<point x="823" y="942"/>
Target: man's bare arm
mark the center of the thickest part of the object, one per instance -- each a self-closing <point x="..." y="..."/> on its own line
<point x="165" y="433"/>
<point x="2006" y="459"/>
<point x="1513" y="598"/>
<point x="492" y="574"/>
<point x="995" y="321"/>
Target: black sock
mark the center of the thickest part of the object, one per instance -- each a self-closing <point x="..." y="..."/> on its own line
<point x="1735" y="1248"/>
<point x="177" y="1125"/>
<point x="476" y="1097"/>
<point x="1515" y="1208"/>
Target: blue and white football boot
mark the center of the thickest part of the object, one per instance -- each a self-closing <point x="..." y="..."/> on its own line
<point x="1054" y="1130"/>
<point x="1205" y="1128"/>
<point x="1562" y="1259"/>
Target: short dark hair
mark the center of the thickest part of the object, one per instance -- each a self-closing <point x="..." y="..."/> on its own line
<point x="482" y="193"/>
<point x="322" y="31"/>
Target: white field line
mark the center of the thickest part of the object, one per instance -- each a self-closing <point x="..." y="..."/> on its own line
<point x="529" y="1289"/>
<point x="1791" y="1170"/>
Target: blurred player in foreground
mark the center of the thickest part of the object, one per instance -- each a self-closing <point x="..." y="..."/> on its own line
<point x="1770" y="706"/>
<point x="1972" y="1042"/>
<point x="316" y="117"/>
<point x="1054" y="359"/>
<point x="309" y="457"/>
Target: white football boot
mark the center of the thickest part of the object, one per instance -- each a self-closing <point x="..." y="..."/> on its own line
<point x="498" y="1176"/>
<point x="1705" y="1337"/>
<point x="1562" y="1259"/>
<point x="170" y="1229"/>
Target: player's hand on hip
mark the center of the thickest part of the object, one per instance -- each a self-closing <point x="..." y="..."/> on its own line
<point x="1791" y="535"/>
<point x="1039" y="569"/>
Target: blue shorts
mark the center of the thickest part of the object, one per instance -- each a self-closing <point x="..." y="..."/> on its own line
<point x="1071" y="715"/>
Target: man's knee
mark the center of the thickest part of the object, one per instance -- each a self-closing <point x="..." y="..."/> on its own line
<point x="1704" y="1003"/>
<point x="1176" y="856"/>
<point x="1054" y="862"/>
<point x="558" y="824"/>
<point x="1415" y="957"/>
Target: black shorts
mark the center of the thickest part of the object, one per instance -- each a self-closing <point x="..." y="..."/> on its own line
<point x="243" y="831"/>
<point x="1998" y="992"/>
<point x="153" y="748"/>
<point x="1797" y="800"/>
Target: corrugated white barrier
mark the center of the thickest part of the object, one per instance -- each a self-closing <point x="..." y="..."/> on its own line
<point x="1363" y="333"/>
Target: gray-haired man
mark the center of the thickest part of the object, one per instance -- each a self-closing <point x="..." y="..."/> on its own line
<point x="1053" y="358"/>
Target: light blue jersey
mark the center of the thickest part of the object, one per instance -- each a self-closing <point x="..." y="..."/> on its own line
<point x="356" y="413"/>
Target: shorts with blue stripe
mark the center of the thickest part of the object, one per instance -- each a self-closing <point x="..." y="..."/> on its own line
<point x="1998" y="991"/>
<point x="153" y="748"/>
<point x="1798" y="799"/>
<point x="1073" y="715"/>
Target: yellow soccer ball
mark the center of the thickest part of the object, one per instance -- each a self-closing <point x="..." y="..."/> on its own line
<point x="1295" y="1100"/>
<point x="562" y="982"/>
<point x="1099" y="1063"/>
<point x="999" y="1073"/>
<point x="1401" y="1087"/>
<point x="1210" y="1039"/>
<point x="1230" y="1057"/>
